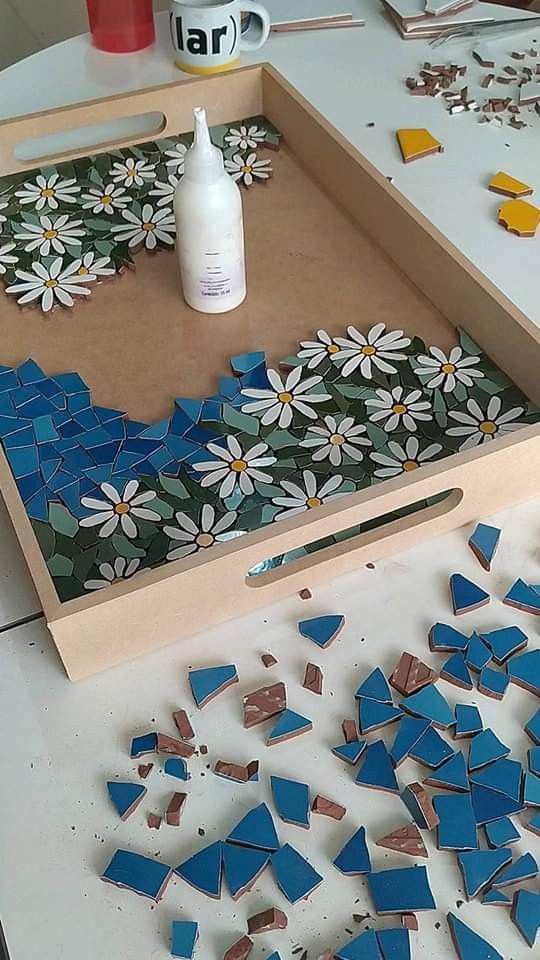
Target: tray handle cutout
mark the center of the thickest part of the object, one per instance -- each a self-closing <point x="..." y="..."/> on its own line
<point x="90" y="138"/>
<point x="372" y="528"/>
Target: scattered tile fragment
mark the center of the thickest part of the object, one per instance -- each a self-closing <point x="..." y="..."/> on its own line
<point x="350" y="732"/>
<point x="363" y="947"/>
<point x="420" y="806"/>
<point x="443" y="638"/>
<point x="490" y="805"/>
<point x="305" y="593"/>
<point x="176" y="767"/>
<point x="322" y="630"/>
<point x="268" y="660"/>
<point x="493" y="683"/>
<point x="521" y="218"/>
<point x="532" y="727"/>
<point x="125" y="797"/>
<point x="203" y="870"/>
<point x="295" y="877"/>
<point x="468" y="721"/>
<point x="484" y="539"/>
<point x="175" y="809"/>
<point x="429" y="704"/>
<point x="455" y="671"/>
<point x="288" y="725"/>
<point x="466" y="595"/>
<point x="313" y="678"/>
<point x="256" y="829"/>
<point x="377" y="771"/>
<point x="411" y="674"/>
<point x="409" y="921"/>
<point x="508" y="186"/>
<point x="457" y="825"/>
<point x="272" y="919"/>
<point x="529" y="92"/>
<point x="533" y="759"/>
<point x="328" y="808"/>
<point x="240" y="773"/>
<point x="183" y="724"/>
<point x="144" y="875"/>
<point x="521" y="869"/>
<point x="372" y="715"/>
<point x="291" y="800"/>
<point x="524" y="670"/>
<point x="405" y="889"/>
<point x="350" y="752"/>
<point x="502" y="832"/>
<point x="503" y="776"/>
<point x="533" y="825"/>
<point x="505" y="642"/>
<point x="240" y="950"/>
<point x="147" y="743"/>
<point x="183" y="938"/>
<point x="410" y="731"/>
<point x="417" y="143"/>
<point x="483" y="55"/>
<point x="496" y="898"/>
<point x="153" y="821"/>
<point x="144" y="769"/>
<point x="451" y="775"/>
<point x="531" y="790"/>
<point x="478" y="653"/>
<point x="478" y="867"/>
<point x="353" y="858"/>
<point x="407" y="839"/>
<point x="173" y="746"/>
<point x="263" y="704"/>
<point x="242" y="867"/>
<point x="468" y="944"/>
<point x="526" y="914"/>
<point x="208" y="682"/>
<point x="431" y="750"/>
<point x="522" y="595"/>
<point x="485" y="748"/>
<point x="375" y="687"/>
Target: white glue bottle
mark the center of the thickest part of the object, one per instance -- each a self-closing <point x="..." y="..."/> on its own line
<point x="210" y="228"/>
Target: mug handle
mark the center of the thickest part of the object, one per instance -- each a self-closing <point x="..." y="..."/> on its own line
<point x="250" y="6"/>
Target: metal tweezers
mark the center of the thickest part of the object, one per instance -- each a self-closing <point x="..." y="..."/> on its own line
<point x="486" y="28"/>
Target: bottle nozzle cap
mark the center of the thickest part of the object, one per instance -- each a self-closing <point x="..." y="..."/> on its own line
<point x="204" y="161"/>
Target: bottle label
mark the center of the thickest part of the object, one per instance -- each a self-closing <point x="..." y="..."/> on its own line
<point x="215" y="273"/>
<point x="222" y="276"/>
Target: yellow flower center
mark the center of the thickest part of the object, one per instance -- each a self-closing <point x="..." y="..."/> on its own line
<point x="239" y="466"/>
<point x="285" y="397"/>
<point x="246" y="168"/>
<point x="487" y="426"/>
<point x="106" y="199"/>
<point x="51" y="283"/>
<point x="83" y="271"/>
<point x="337" y="439"/>
<point x="368" y="350"/>
<point x="313" y="502"/>
<point x="47" y="192"/>
<point x="50" y="234"/>
<point x="410" y="465"/>
<point x="448" y="368"/>
<point x="204" y="540"/>
<point x="149" y="226"/>
<point x="399" y="408"/>
<point x="122" y="508"/>
<point x="332" y="348"/>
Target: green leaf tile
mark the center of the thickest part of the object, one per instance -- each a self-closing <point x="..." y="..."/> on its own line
<point x="62" y="520"/>
<point x="59" y="566"/>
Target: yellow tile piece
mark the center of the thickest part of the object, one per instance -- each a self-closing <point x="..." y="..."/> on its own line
<point x="520" y="217"/>
<point x="416" y="143"/>
<point x="509" y="186"/>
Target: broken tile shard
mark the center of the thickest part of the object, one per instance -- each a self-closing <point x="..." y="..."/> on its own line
<point x="493" y="683"/>
<point x="451" y="775"/>
<point x="313" y="679"/>
<point x="415" y="143"/>
<point x="406" y="839"/>
<point x="208" y="682"/>
<point x="353" y="858"/>
<point x="263" y="704"/>
<point x="409" y="732"/>
<point x="291" y="800"/>
<point x="446" y="639"/>
<point x="377" y="771"/>
<point x="203" y="870"/>
<point x="322" y="630"/>
<point x="478" y="653"/>
<point x="176" y="767"/>
<point x="485" y="748"/>
<point x="521" y="595"/>
<point x="526" y="914"/>
<point x="240" y="949"/>
<point x="175" y="809"/>
<point x="455" y="671"/>
<point x="468" y="721"/>
<point x="184" y="935"/>
<point x="429" y="704"/>
<point x="524" y="670"/>
<point x="484" y="539"/>
<point x="350" y="752"/>
<point x="431" y="750"/>
<point x="521" y="218"/>
<point x="328" y="808"/>
<point x="242" y="866"/>
<point x="420" y="806"/>
<point x="405" y="889"/>
<point x="125" y="797"/>
<point x="508" y="186"/>
<point x="411" y="674"/>
<point x="478" y="867"/>
<point x="375" y="687"/>
<point x="500" y="833"/>
<point x="288" y="725"/>
<point x="183" y="724"/>
<point x="505" y="642"/>
<point x="256" y="829"/>
<point x="267" y="920"/>
<point x="143" y="875"/>
<point x="372" y="715"/>
<point x="521" y="869"/>
<point x="239" y="773"/>
<point x="457" y="825"/>
<point x="468" y="944"/>
<point x="466" y="595"/>
<point x="295" y="877"/>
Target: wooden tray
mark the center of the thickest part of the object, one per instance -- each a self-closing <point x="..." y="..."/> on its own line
<point x="329" y="242"/>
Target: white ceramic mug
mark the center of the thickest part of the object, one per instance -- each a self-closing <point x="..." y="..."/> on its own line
<point x="206" y="34"/>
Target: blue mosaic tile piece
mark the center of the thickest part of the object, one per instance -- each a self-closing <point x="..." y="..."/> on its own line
<point x="533" y="759"/>
<point x="22" y="438"/>
<point x="208" y="682"/>
<point x="23" y="461"/>
<point x="96" y="438"/>
<point x="70" y="383"/>
<point x="295" y="877"/>
<point x="394" y="943"/>
<point x="526" y="915"/>
<point x="457" y="825"/>
<point x="37" y="407"/>
<point x="451" y="775"/>
<point x="532" y="727"/>
<point x="61" y="479"/>
<point x="180" y="447"/>
<point x="70" y="429"/>
<point x="87" y="419"/>
<point x="446" y="639"/>
<point x="531" y="790"/>
<point x="373" y="715"/>
<point x="203" y="870"/>
<point x="125" y="797"/>
<point x="496" y="898"/>
<point x="71" y="497"/>
<point x="490" y="805"/>
<point x="468" y="721"/>
<point x="291" y="800"/>
<point x="485" y="748"/>
<point x="157" y="431"/>
<point x="48" y="388"/>
<point x="409" y="732"/>
<point x="176" y="767"/>
<point x="478" y="867"/>
<point x="377" y="771"/>
<point x="256" y="829"/>
<point x="403" y="890"/>
<point x="79" y="403"/>
<point x="466" y="595"/>
<point x="289" y="724"/>
<point x="245" y="362"/>
<point x="140" y="746"/>
<point x="431" y="750"/>
<point x="503" y="776"/>
<point x="353" y="858"/>
<point x="375" y="687"/>
<point x="134" y="428"/>
<point x="505" y="642"/>
<point x="191" y="408"/>
<point x="144" y="875"/>
<point x="29" y="486"/>
<point x="37" y="508"/>
<point x="350" y="752"/>
<point x="161" y="459"/>
<point x="184" y="935"/>
<point x="8" y="379"/>
<point x="23" y="395"/>
<point x="44" y="429"/>
<point x="106" y="414"/>
<point x="524" y="597"/>
<point x="478" y="653"/>
<point x="483" y="542"/>
<point x="500" y="833"/>
<point x="135" y="444"/>
<point x="429" y="704"/>
<point x="524" y="670"/>
<point x="78" y="460"/>
<point x="524" y="868"/>
<point x="242" y="867"/>
<point x="322" y="630"/>
<point x="454" y="670"/>
<point x="470" y="945"/>
<point x="11" y="425"/>
<point x="363" y="947"/>
<point x="126" y="460"/>
<point x="99" y="474"/>
<point x="493" y="683"/>
<point x="116" y="429"/>
<point x="7" y="407"/>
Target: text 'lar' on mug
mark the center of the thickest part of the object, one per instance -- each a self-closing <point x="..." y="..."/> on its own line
<point x="207" y="36"/>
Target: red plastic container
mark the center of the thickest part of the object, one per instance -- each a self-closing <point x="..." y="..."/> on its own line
<point x="121" y="26"/>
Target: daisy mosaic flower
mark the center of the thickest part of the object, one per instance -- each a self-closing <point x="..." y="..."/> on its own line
<point x="122" y="569"/>
<point x="248" y="169"/>
<point x="6" y="257"/>
<point x="49" y="284"/>
<point x="299" y="499"/>
<point x="191" y="538"/>
<point x="106" y="199"/>
<point x="48" y="192"/>
<point x="3" y="205"/>
<point x="315" y="351"/>
<point x="244" y="137"/>
<point x="92" y="266"/>
<point x="51" y="234"/>
<point x="373" y="350"/>
<point x="336" y="438"/>
<point x="281" y="402"/>
<point x="405" y="458"/>
<point x="165" y="191"/>
<point x="132" y="171"/>
<point x="233" y="468"/>
<point x="399" y="409"/>
<point x="176" y="158"/>
<point x="148" y="228"/>
<point x="478" y="426"/>
<point x="447" y="371"/>
<point x="118" y="508"/>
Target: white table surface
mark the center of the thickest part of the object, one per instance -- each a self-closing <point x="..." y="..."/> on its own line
<point x="61" y="741"/>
